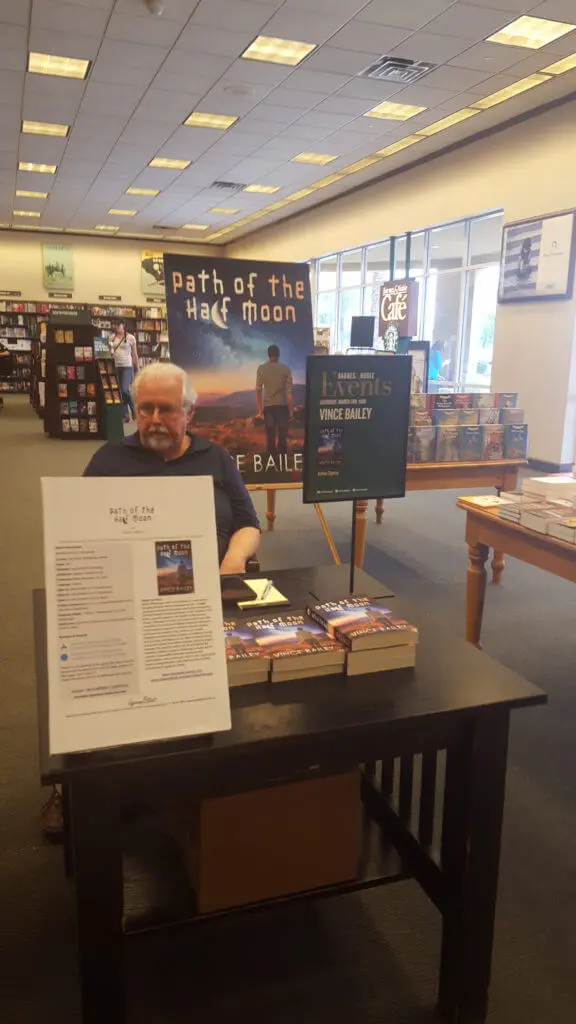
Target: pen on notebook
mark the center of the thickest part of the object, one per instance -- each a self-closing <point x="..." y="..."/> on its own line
<point x="266" y="591"/>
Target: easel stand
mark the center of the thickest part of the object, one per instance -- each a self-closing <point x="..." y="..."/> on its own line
<point x="271" y="490"/>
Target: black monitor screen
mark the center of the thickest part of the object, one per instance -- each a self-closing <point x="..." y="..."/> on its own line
<point x="362" y="332"/>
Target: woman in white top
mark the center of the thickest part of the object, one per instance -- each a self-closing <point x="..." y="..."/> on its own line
<point x="123" y="348"/>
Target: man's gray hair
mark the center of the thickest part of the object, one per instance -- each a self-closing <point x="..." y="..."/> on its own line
<point x="166" y="372"/>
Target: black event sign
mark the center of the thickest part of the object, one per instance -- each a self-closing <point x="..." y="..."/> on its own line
<point x="357" y="410"/>
<point x="223" y="317"/>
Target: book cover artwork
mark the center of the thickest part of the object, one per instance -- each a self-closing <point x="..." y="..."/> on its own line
<point x="240" y="642"/>
<point x="288" y="636"/>
<point x="174" y="568"/>
<point x="331" y="446"/>
<point x="357" y="617"/>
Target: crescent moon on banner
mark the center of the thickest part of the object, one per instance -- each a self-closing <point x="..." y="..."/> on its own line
<point x="217" y="318"/>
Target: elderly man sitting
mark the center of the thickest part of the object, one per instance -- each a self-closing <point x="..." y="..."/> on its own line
<point x="164" y="446"/>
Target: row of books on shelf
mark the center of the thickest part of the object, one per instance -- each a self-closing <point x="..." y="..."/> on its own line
<point x="353" y="636"/>
<point x="467" y="400"/>
<point x="467" y="443"/>
<point x="544" y="504"/>
<point x="79" y="425"/>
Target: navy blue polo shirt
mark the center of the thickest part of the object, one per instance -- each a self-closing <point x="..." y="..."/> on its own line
<point x="234" y="508"/>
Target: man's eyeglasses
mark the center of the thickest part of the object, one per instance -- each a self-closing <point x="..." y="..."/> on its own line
<point x="164" y="409"/>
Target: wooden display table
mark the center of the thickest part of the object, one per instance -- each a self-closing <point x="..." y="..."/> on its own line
<point x="438" y="476"/>
<point x="485" y="529"/>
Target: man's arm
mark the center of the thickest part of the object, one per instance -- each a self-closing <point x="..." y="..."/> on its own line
<point x="134" y="350"/>
<point x="259" y="391"/>
<point x="289" y="387"/>
<point x="245" y="536"/>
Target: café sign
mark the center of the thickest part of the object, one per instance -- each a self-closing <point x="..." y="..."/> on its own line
<point x="399" y="308"/>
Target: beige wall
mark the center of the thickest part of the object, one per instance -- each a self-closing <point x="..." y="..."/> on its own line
<point x="527" y="170"/>
<point x="102" y="266"/>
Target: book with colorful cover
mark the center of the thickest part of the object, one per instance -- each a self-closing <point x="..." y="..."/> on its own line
<point x="362" y="623"/>
<point x="448" y="444"/>
<point x="246" y="660"/>
<point x="445" y="417"/>
<point x="492" y="442"/>
<point x="420" y="418"/>
<point x="515" y="440"/>
<point x="483" y="401"/>
<point x="418" y="402"/>
<point x="468" y="417"/>
<point x="295" y="641"/>
<point x="421" y="444"/>
<point x="444" y="401"/>
<point x="463" y="400"/>
<point x="471" y="441"/>
<point x="511" y="415"/>
<point x="506" y="399"/>
<point x="489" y="415"/>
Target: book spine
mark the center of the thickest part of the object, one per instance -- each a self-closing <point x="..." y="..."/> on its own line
<point x="317" y="617"/>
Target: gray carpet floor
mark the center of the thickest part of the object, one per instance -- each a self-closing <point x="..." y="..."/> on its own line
<point x="361" y="959"/>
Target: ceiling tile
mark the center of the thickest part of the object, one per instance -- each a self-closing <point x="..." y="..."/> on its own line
<point x="469" y="21"/>
<point x="279" y="115"/>
<point x="142" y="130"/>
<point x="229" y="98"/>
<point x="56" y="100"/>
<point x="183" y="84"/>
<point x="428" y="46"/>
<point x="101" y="97"/>
<point x="76" y="169"/>
<point x="251" y="170"/>
<point x="421" y="96"/>
<point x="221" y="42"/>
<point x="14" y="13"/>
<point x="303" y="133"/>
<point x="10" y="119"/>
<point x="370" y="89"/>
<point x="316" y="81"/>
<point x="306" y="28"/>
<point x="12" y="60"/>
<point x="330" y="58"/>
<point x="284" y="96"/>
<point x="238" y="146"/>
<point x="190" y="143"/>
<point x="45" y="40"/>
<point x="181" y="62"/>
<point x="13" y="38"/>
<point x="174" y="10"/>
<point x="242" y="16"/>
<point x="555" y="10"/>
<point x="93" y="126"/>
<point x="11" y="86"/>
<point x="253" y="71"/>
<point x="85" y="20"/>
<point x="492" y="84"/>
<point x="279" y="150"/>
<point x="344" y="105"/>
<point x="403" y="15"/>
<point x="368" y="38"/>
<point x="515" y="6"/>
<point x="41" y="150"/>
<point x="323" y="120"/>
<point x="153" y="177"/>
<point x="162" y="105"/>
<point x="131" y="55"/>
<point x="148" y="30"/>
<point x="489" y="57"/>
<point x="115" y="73"/>
<point x="454" y="78"/>
<point x="563" y="46"/>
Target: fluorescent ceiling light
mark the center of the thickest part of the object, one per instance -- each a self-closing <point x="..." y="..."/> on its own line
<point x="26" y="194"/>
<point x="223" y="209"/>
<point x="195" y="227"/>
<point x="142" y="191"/>
<point x="313" y="158"/>
<point x="123" y="213"/>
<point x="198" y="119"/>
<point x="40" y="168"/>
<point x="447" y="122"/>
<point x="169" y="164"/>
<point x="264" y="189"/>
<point x="511" y="90"/>
<point x="360" y="165"/>
<point x="63" y="67"/>
<point x="560" y="66"/>
<point x="532" y="33"/>
<point x="394" y="111"/>
<point x="105" y="227"/>
<point x="45" y="128"/>
<point x="25" y="213"/>
<point x="396" y="147"/>
<point x="278" y="51"/>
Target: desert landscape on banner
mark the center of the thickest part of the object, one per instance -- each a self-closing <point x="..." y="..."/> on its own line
<point x="242" y="329"/>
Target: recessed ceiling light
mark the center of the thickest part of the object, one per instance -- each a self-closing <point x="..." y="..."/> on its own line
<point x="560" y="66"/>
<point x="396" y="147"/>
<point x="223" y="209"/>
<point x="447" y="122"/>
<point x="40" y="168"/>
<point x="63" y="67"/>
<point x="264" y="189"/>
<point x="532" y="33"/>
<point x="198" y="119"/>
<point x="278" y="51"/>
<point x="394" y="111"/>
<point x="313" y="158"/>
<point x="511" y="90"/>
<point x="105" y="227"/>
<point x="45" y="128"/>
<point x="169" y="164"/>
<point x="123" y="213"/>
<point x="26" y="194"/>
<point x="25" y="213"/>
<point x="195" y="227"/>
<point x="142" y="191"/>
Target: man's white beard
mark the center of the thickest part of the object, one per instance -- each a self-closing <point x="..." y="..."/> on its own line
<point x="158" y="440"/>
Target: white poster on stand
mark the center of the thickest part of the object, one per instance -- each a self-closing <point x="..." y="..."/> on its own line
<point x="135" y="636"/>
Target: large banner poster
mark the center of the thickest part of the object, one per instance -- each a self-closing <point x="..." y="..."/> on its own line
<point x="243" y="330"/>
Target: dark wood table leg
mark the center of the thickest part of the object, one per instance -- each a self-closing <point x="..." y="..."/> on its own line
<point x="475" y="591"/>
<point x="471" y="838"/>
<point x="379" y="510"/>
<point x="270" y="508"/>
<point x="361" y="508"/>
<point x="99" y="903"/>
<point x="498" y="564"/>
<point x="67" y="830"/>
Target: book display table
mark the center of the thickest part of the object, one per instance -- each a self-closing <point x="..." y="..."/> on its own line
<point x="455" y="705"/>
<point x="438" y="476"/>
<point x="485" y="529"/>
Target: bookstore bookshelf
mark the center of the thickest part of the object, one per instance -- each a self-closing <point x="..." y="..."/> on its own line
<point x="71" y="407"/>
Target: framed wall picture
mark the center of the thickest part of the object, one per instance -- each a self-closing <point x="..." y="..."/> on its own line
<point x="152" y="267"/>
<point x="537" y="260"/>
<point x="420" y="352"/>
<point x="58" y="266"/>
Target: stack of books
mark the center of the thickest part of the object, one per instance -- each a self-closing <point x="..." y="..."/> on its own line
<point x="297" y="647"/>
<point x="466" y="427"/>
<point x="375" y="641"/>
<point x="245" y="659"/>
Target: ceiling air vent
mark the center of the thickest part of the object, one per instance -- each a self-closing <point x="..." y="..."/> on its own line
<point x="163" y="227"/>
<point x="227" y="186"/>
<point x="398" y="69"/>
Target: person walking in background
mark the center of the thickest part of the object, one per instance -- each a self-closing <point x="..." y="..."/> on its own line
<point x="123" y="348"/>
<point x="274" y="401"/>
